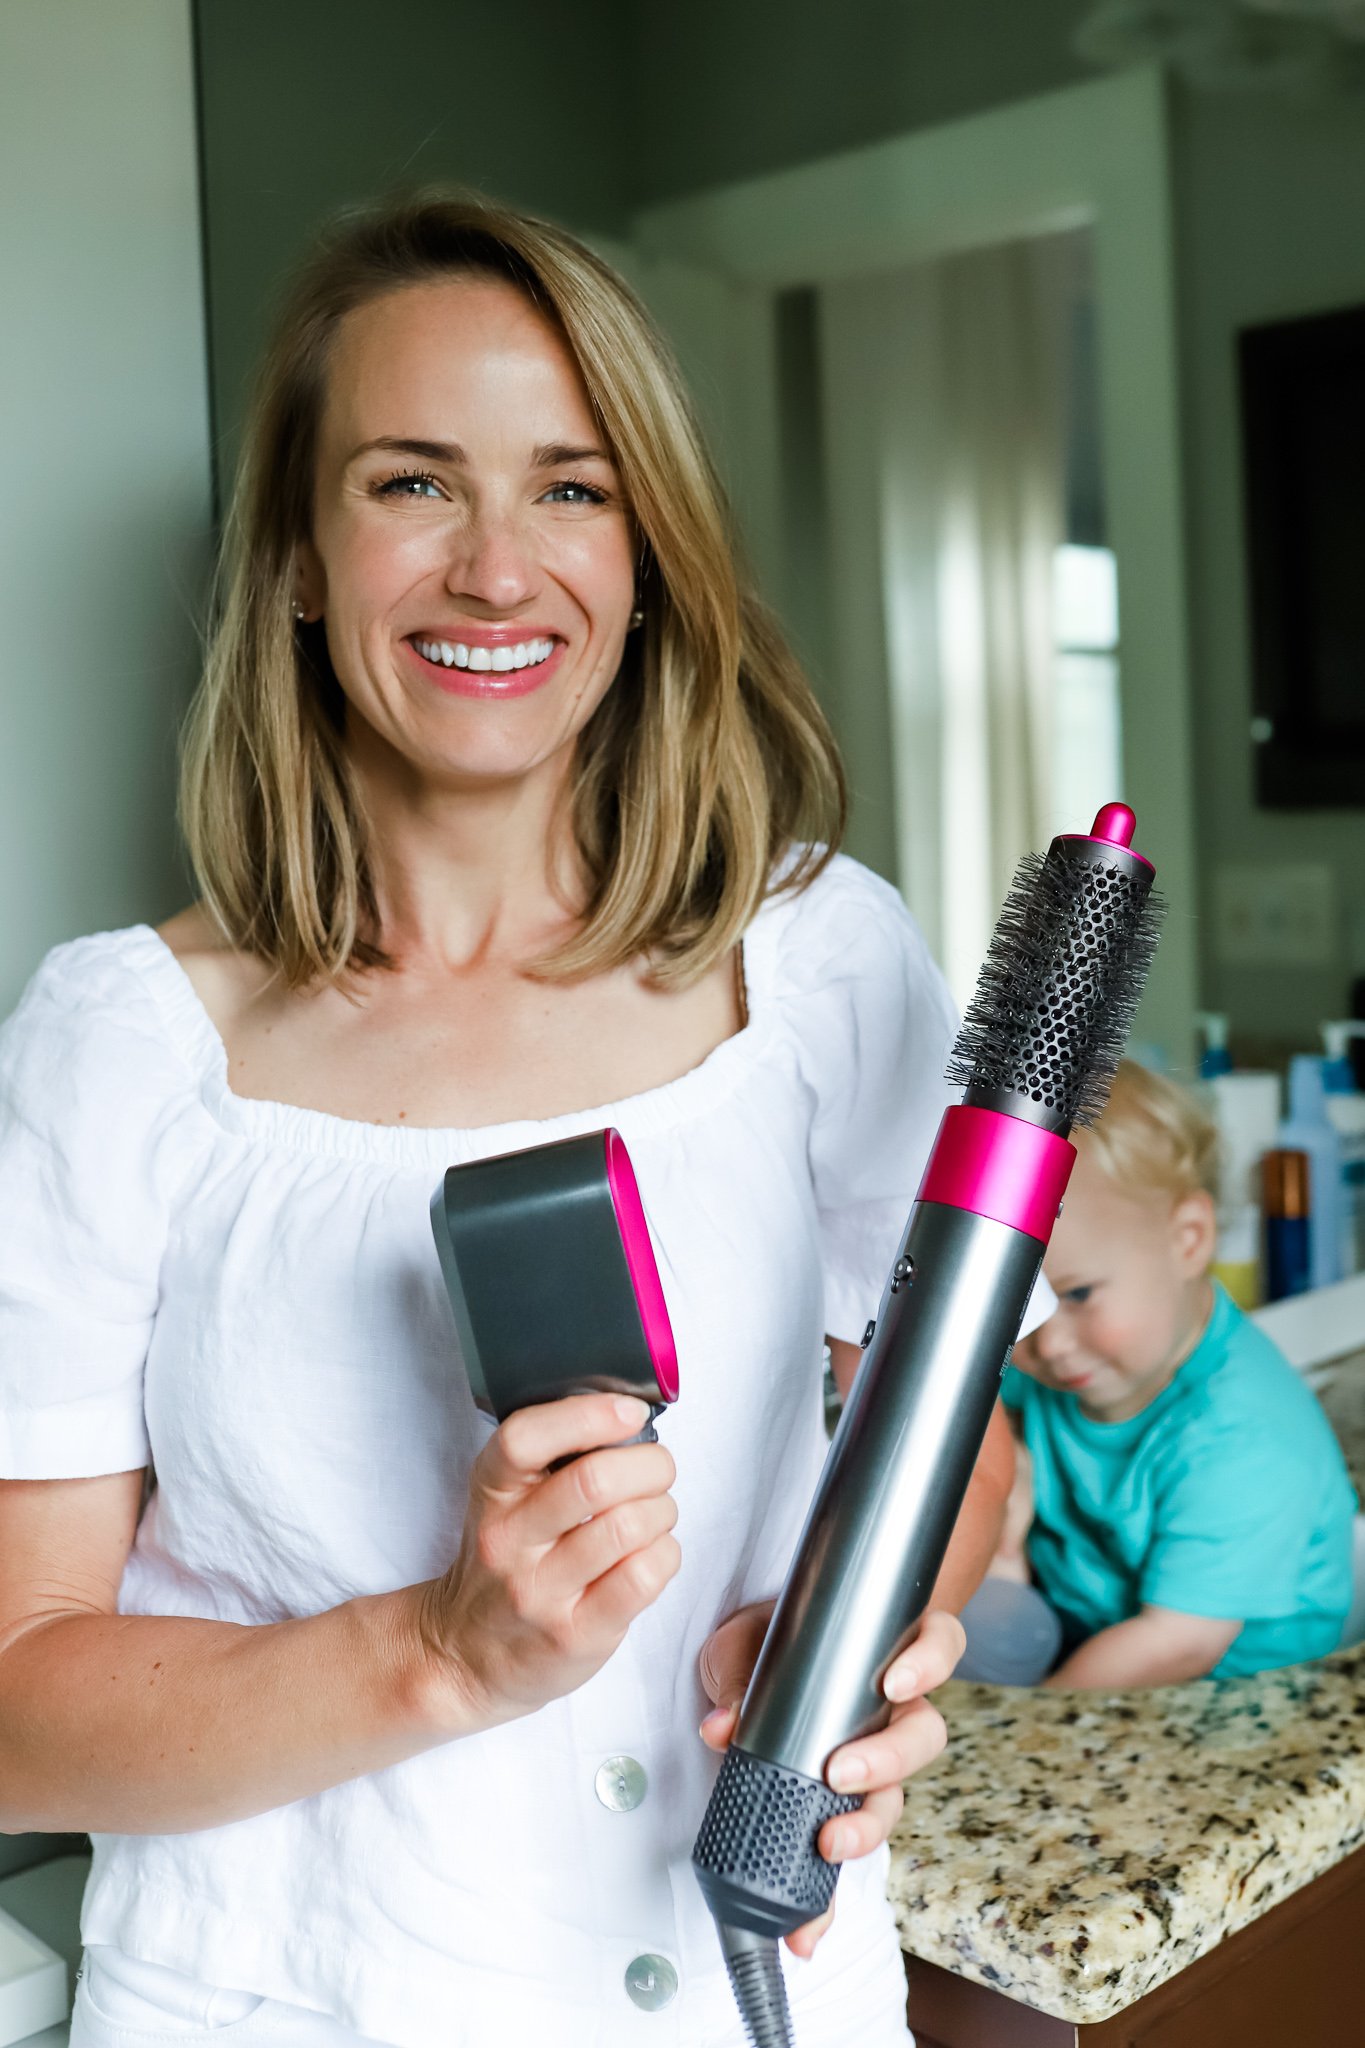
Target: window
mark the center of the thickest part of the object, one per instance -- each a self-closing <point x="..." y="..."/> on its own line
<point x="1087" y="757"/>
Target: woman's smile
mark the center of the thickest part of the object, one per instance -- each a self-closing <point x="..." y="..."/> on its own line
<point x="497" y="663"/>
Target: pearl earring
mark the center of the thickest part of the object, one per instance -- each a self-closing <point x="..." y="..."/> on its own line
<point x="298" y="610"/>
<point x="637" y="618"/>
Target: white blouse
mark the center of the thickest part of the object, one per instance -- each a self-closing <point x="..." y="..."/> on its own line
<point x="246" y="1294"/>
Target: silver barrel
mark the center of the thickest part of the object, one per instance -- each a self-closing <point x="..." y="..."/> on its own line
<point x="888" y="1497"/>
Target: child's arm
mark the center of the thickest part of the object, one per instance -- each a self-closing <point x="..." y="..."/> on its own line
<point x="1011" y="1558"/>
<point x="1158" y="1646"/>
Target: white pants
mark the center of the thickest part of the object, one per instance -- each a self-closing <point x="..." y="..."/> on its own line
<point x="122" y="2002"/>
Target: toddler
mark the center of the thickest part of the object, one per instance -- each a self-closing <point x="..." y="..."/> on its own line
<point x="1191" y="1510"/>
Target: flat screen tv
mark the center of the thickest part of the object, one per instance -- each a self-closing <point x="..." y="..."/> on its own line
<point x="1303" y="426"/>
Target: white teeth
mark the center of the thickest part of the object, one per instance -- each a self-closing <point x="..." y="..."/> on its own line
<point x="456" y="654"/>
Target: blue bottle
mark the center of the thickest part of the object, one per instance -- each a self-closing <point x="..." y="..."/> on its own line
<point x="1307" y="1128"/>
<point x="1215" y="1058"/>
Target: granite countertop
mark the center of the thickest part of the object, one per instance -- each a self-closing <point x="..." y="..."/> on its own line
<point x="1074" y="1850"/>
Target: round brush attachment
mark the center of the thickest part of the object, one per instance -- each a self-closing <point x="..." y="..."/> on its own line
<point x="1055" y="1001"/>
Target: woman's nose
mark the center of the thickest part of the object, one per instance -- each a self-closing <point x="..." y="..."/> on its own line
<point x="495" y="564"/>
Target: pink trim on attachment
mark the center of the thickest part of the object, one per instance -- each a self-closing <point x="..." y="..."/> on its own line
<point x="1114" y="825"/>
<point x="644" y="1273"/>
<point x="999" y="1166"/>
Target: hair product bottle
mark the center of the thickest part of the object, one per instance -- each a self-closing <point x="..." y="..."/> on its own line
<point x="1286" y="1183"/>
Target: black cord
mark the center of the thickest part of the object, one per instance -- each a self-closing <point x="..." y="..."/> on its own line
<point x="755" y="1969"/>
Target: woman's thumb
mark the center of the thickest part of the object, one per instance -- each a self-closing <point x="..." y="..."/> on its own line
<point x="731" y="1651"/>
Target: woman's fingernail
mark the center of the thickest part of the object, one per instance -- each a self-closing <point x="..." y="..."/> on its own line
<point x="715" y="1720"/>
<point x="631" y="1410"/>
<point x="843" y="1842"/>
<point x="846" y="1772"/>
<point x="902" y="1682"/>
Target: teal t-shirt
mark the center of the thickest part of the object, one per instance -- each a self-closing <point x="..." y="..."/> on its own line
<point x="1227" y="1496"/>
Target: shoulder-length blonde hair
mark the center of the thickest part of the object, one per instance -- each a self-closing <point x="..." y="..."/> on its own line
<point x="707" y="759"/>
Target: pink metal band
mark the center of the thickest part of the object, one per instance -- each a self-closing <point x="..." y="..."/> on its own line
<point x="644" y="1273"/>
<point x="999" y="1166"/>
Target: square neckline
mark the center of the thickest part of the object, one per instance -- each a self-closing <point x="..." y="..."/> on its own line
<point x="291" y="1126"/>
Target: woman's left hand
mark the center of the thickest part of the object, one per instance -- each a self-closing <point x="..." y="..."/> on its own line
<point x="875" y="1766"/>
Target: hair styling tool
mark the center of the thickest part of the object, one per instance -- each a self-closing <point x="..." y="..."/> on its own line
<point x="1035" y="1055"/>
<point x="551" y="1276"/>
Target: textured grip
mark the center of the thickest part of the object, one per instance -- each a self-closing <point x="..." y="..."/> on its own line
<point x="755" y="1857"/>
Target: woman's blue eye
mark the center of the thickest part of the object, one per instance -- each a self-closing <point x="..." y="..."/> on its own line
<point x="1077" y="1294"/>
<point x="583" y="494"/>
<point x="411" y="483"/>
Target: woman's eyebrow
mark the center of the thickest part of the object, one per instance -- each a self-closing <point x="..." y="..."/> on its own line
<point x="548" y="455"/>
<point x="428" y="451"/>
<point x="551" y="453"/>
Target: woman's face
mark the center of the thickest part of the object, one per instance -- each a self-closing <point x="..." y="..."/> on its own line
<point x="472" y="554"/>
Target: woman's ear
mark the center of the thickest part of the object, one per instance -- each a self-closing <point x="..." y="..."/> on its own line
<point x="310" y="582"/>
<point x="1194" y="1233"/>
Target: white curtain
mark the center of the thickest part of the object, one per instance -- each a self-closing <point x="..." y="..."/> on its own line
<point x="944" y="436"/>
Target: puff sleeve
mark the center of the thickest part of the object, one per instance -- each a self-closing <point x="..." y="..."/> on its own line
<point x="89" y="1098"/>
<point x="875" y="1023"/>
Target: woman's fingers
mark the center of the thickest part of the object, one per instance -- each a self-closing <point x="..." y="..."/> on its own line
<point x="859" y="1833"/>
<point x="930" y="1660"/>
<point x="533" y="1439"/>
<point x="912" y="1738"/>
<point x="611" y="1603"/>
<point x="801" y="1941"/>
<point x="718" y="1729"/>
<point x="597" y="1546"/>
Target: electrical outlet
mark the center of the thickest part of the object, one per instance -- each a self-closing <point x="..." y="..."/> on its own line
<point x="1280" y="915"/>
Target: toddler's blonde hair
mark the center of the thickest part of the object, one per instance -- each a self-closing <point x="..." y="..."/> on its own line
<point x="1153" y="1137"/>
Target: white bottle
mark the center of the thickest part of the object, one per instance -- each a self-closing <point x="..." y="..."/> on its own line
<point x="1346" y="1112"/>
<point x="1246" y="1108"/>
<point x="1307" y="1128"/>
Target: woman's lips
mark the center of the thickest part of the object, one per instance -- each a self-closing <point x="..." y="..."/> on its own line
<point x="459" y="679"/>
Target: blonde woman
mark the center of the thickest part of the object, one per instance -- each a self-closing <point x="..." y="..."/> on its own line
<point x="512" y="817"/>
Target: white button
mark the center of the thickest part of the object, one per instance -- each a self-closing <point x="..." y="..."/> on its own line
<point x="652" y="1982"/>
<point x="620" y="1784"/>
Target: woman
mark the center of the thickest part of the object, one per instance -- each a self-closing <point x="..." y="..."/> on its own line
<point x="504" y="801"/>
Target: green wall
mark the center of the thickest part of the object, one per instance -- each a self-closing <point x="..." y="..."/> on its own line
<point x="305" y="108"/>
<point x="1270" y="223"/>
<point x="725" y="89"/>
<point x="104" y="522"/>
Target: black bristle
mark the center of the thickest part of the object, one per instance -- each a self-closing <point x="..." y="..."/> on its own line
<point x="1059" y="988"/>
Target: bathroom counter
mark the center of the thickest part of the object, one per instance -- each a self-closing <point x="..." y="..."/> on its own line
<point x="1076" y="1850"/>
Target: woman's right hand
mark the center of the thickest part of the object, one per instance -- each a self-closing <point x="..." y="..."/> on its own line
<point x="553" y="1565"/>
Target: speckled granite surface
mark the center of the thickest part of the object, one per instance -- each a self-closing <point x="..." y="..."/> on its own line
<point x="1074" y="1850"/>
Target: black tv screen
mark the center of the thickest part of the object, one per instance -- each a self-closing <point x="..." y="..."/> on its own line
<point x="1303" y="423"/>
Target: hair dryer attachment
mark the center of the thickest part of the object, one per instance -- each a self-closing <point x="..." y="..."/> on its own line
<point x="1055" y="1000"/>
<point x="552" y="1279"/>
<point x="1037" y="1053"/>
